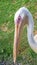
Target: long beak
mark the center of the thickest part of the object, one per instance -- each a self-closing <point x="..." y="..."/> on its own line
<point x="17" y="35"/>
<point x="16" y="42"/>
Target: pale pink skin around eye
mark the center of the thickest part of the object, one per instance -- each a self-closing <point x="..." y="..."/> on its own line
<point x="19" y="19"/>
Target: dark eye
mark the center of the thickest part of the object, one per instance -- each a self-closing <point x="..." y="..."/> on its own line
<point x="19" y="17"/>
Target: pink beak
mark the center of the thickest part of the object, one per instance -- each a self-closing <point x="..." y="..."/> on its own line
<point x="16" y="42"/>
<point x="18" y="29"/>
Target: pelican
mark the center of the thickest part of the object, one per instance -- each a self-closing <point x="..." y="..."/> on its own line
<point x="22" y="17"/>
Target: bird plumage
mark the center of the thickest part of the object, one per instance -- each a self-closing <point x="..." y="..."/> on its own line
<point x="20" y="16"/>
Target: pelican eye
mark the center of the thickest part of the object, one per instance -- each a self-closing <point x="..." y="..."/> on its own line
<point x="19" y="19"/>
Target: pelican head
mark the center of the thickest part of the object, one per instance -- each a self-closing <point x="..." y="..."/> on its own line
<point x="20" y="16"/>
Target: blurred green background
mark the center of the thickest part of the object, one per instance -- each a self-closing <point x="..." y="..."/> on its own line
<point x="7" y="11"/>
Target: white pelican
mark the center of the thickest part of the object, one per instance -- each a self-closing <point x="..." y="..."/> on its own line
<point x="22" y="17"/>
